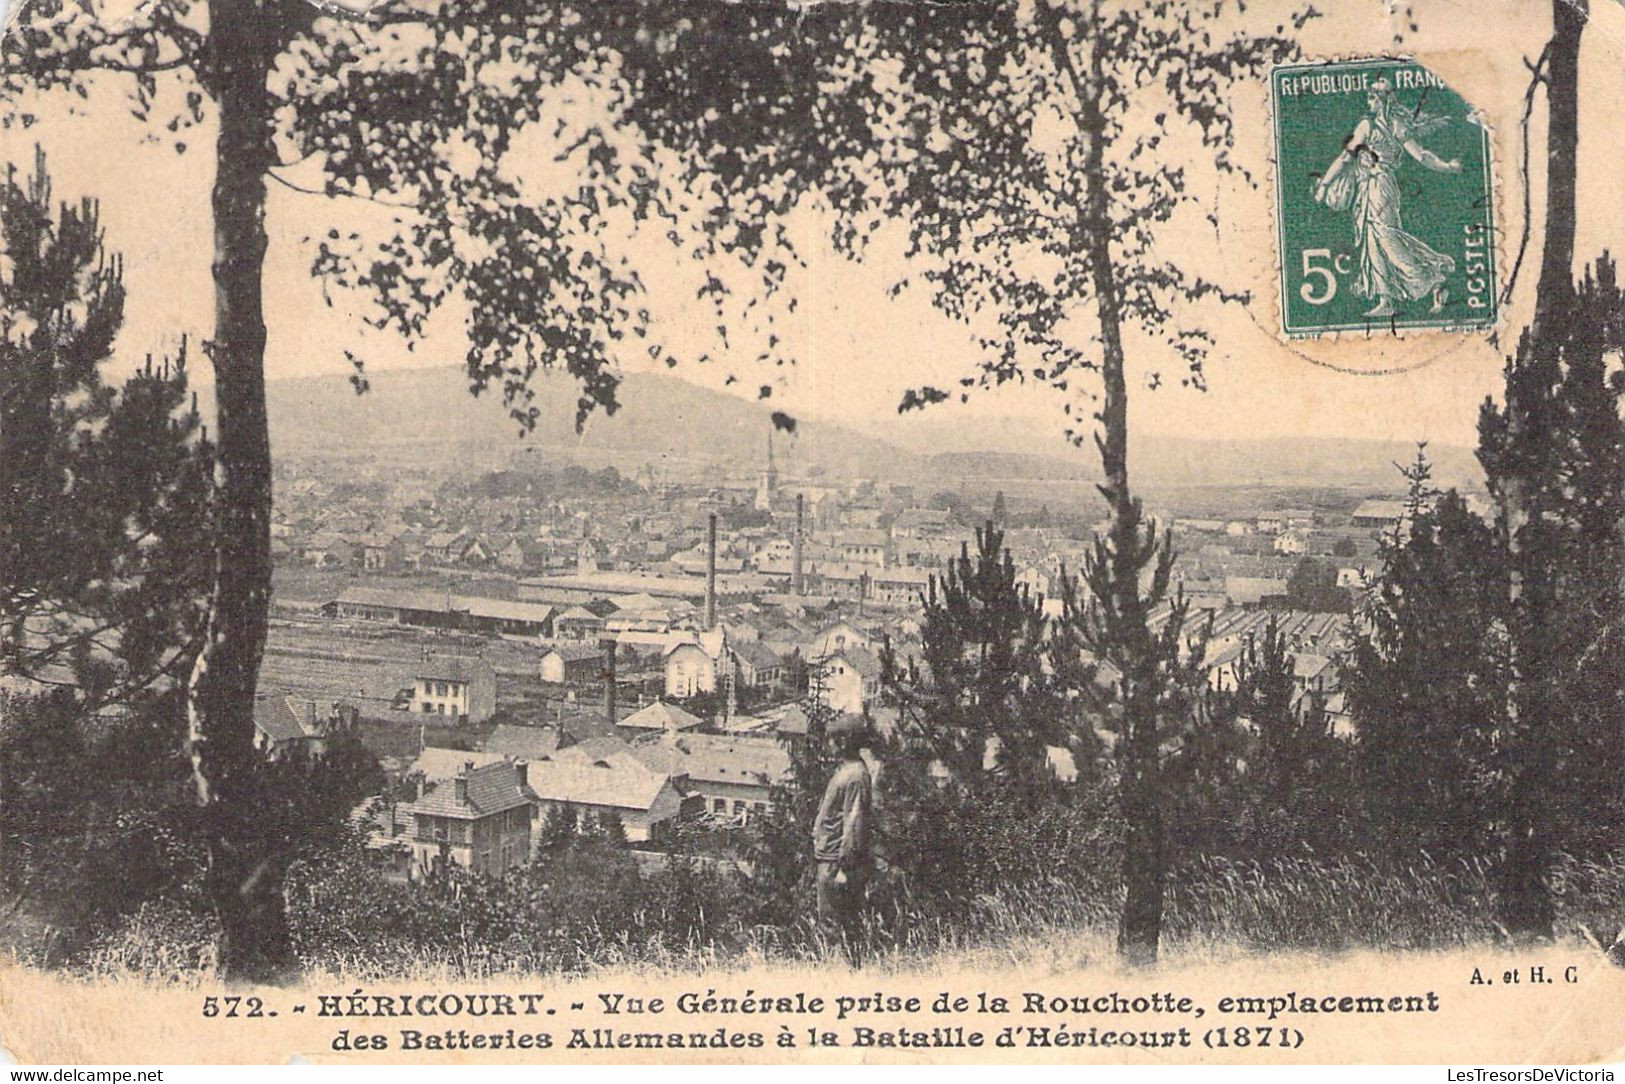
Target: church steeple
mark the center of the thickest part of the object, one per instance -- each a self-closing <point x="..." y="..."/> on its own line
<point x="770" y="478"/>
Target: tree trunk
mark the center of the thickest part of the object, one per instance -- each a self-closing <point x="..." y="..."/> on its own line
<point x="1555" y="290"/>
<point x="1525" y="903"/>
<point x="245" y="876"/>
<point x="1140" y="927"/>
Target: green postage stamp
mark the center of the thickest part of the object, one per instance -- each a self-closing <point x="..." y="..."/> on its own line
<point x="1383" y="204"/>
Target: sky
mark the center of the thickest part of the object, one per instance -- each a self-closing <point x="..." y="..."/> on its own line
<point x="859" y="349"/>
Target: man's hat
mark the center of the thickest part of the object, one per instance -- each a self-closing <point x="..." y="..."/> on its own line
<point x="848" y="723"/>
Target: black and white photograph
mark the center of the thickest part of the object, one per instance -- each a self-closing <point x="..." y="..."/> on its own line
<point x="608" y="532"/>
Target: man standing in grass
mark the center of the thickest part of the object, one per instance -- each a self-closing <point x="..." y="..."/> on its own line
<point x="841" y="844"/>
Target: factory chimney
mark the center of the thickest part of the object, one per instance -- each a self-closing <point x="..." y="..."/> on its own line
<point x="608" y="646"/>
<point x="711" y="572"/>
<point x="796" y="586"/>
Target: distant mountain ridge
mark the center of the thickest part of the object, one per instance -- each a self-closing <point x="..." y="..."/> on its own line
<point x="674" y="425"/>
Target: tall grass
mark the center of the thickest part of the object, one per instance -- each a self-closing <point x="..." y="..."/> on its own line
<point x="1215" y="908"/>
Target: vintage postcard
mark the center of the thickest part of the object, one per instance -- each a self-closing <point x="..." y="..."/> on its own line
<point x="607" y="532"/>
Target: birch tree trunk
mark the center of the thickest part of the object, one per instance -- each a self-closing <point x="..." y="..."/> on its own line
<point x="1140" y="926"/>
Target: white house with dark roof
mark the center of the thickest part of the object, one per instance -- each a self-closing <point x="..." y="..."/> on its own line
<point x="480" y="819"/>
<point x="283" y="724"/>
<point x="461" y="688"/>
<point x="836" y="636"/>
<point x="758" y="665"/>
<point x="849" y="679"/>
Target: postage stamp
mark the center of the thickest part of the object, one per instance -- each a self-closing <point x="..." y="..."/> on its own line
<point x="1384" y="211"/>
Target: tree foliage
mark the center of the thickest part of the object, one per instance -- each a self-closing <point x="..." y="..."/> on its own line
<point x="1554" y="458"/>
<point x="977" y="704"/>
<point x="1426" y="674"/>
<point x="104" y="490"/>
<point x="1313" y="586"/>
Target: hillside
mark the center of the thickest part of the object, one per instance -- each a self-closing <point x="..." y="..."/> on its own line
<point x="661" y="420"/>
<point x="686" y="429"/>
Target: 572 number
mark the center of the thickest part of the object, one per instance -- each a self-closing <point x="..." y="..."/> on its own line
<point x="233" y="1006"/>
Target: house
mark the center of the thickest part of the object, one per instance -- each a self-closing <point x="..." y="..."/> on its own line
<point x="869" y="548"/>
<point x="523" y="555"/>
<point x="602" y="775"/>
<point x="566" y="663"/>
<point x="834" y="637"/>
<point x="692" y="663"/>
<point x="1291" y="541"/>
<point x="899" y="586"/>
<point x="1313" y="673"/>
<point x="848" y="679"/>
<point x="756" y="664"/>
<point x="502" y="617"/>
<point x="284" y="724"/>
<point x="844" y="581"/>
<point x="1298" y="517"/>
<point x="385" y="826"/>
<point x="1224" y="662"/>
<point x="1379" y="514"/>
<point x="577" y="623"/>
<point x="480" y="819"/>
<point x="914" y="522"/>
<point x="445" y="547"/>
<point x="733" y="775"/>
<point x="1251" y="590"/>
<point x="649" y="629"/>
<point x="663" y="717"/>
<point x="478" y="552"/>
<point x="789" y="719"/>
<point x="459" y="687"/>
<point x="326" y="550"/>
<point x="690" y="670"/>
<point x="430" y="609"/>
<point x="376" y="553"/>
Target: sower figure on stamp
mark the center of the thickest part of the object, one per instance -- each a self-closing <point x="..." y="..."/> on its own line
<point x="1395" y="265"/>
<point x="841" y="837"/>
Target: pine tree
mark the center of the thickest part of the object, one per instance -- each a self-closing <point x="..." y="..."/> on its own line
<point x="1426" y="678"/>
<point x="1554" y="459"/>
<point x="977" y="702"/>
<point x="969" y="774"/>
<point x="105" y="496"/>
<point x="1295" y="784"/>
